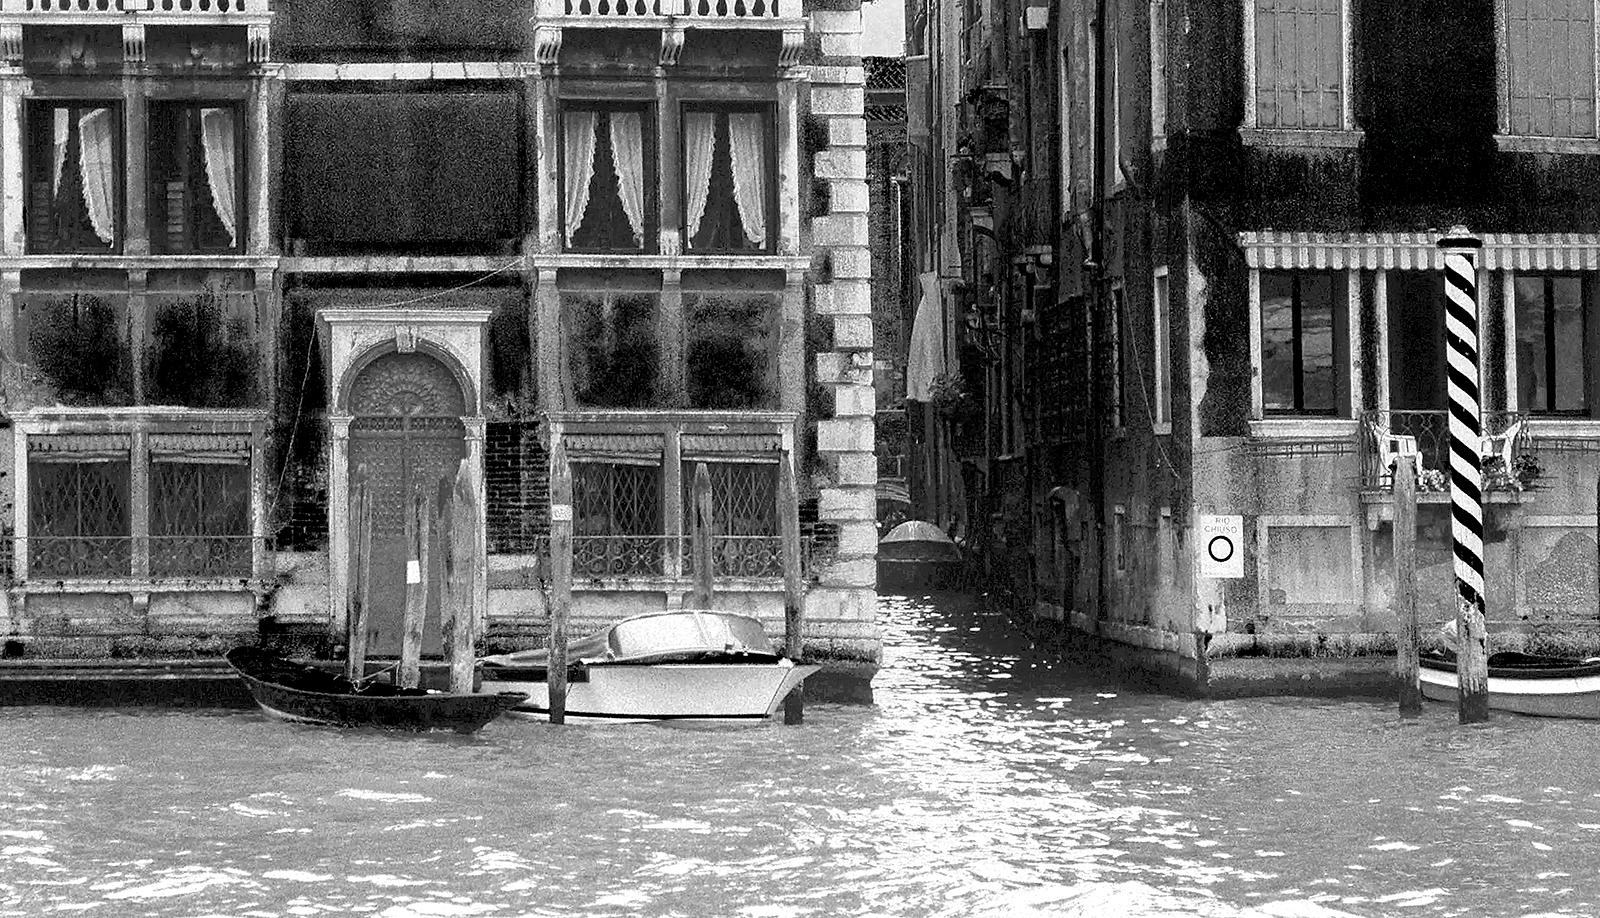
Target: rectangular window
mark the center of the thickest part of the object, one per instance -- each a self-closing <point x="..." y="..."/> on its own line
<point x="1554" y="324"/>
<point x="732" y="354"/>
<point x="196" y="177"/>
<point x="74" y="177"/>
<point x="1119" y="538"/>
<point x="728" y="170"/>
<point x="1549" y="70"/>
<point x="1162" y="364"/>
<point x="1299" y="63"/>
<point x="79" y="524"/>
<point x="1114" y="177"/>
<point x="617" y="520"/>
<point x="612" y="345"/>
<point x="199" y="517"/>
<point x="1117" y="381"/>
<point x="608" y="177"/>
<point x="744" y="510"/>
<point x="1301" y="349"/>
<point x="1064" y="150"/>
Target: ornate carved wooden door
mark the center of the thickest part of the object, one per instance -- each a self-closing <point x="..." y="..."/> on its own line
<point x="406" y="434"/>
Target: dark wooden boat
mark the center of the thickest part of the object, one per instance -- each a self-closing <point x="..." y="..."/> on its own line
<point x="1523" y="683"/>
<point x="304" y="694"/>
<point x="917" y="555"/>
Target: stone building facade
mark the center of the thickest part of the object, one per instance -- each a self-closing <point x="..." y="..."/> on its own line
<point x="253" y="256"/>
<point x="1200" y="277"/>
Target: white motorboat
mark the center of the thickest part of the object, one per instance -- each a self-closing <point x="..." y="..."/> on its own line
<point x="678" y="665"/>
<point x="1523" y="683"/>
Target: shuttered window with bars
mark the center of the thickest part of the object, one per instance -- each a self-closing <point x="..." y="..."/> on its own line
<point x="1299" y="64"/>
<point x="1549" y="69"/>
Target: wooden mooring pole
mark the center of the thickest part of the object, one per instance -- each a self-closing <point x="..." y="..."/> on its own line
<point x="560" y="576"/>
<point x="455" y="619"/>
<point x="355" y="663"/>
<point x="416" y="511"/>
<point x="794" y="706"/>
<point x="703" y="593"/>
<point x="1408" y="632"/>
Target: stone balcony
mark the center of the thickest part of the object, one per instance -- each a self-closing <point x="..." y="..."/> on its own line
<point x="134" y="16"/>
<point x="672" y="18"/>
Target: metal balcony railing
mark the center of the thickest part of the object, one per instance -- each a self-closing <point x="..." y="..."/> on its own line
<point x="165" y="557"/>
<point x="1386" y="435"/>
<point x="642" y="9"/>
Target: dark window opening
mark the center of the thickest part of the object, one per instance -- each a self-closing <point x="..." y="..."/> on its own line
<point x="609" y="179"/>
<point x="1553" y="342"/>
<point x="1299" y="346"/>
<point x="728" y="184"/>
<point x="74" y="178"/>
<point x="196" y="177"/>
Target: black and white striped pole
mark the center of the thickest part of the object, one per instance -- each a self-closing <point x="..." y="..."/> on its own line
<point x="1466" y="469"/>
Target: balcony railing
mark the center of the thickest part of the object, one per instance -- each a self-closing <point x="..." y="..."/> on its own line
<point x="655" y="9"/>
<point x="189" y="557"/>
<point x="1385" y="435"/>
<point x="200" y="10"/>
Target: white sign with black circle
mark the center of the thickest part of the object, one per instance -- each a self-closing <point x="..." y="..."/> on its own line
<point x="1221" y="543"/>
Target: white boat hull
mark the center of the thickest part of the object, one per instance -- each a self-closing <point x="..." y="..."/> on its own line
<point x="665" y="691"/>
<point x="1553" y="697"/>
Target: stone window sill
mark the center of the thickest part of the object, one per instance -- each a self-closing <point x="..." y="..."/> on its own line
<point x="1305" y="139"/>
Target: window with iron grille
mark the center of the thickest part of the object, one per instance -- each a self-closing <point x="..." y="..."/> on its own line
<point x="196" y="177"/>
<point x="199" y="519"/>
<point x="79" y="525"/>
<point x="744" y="518"/>
<point x="74" y="177"/>
<point x="617" y="519"/>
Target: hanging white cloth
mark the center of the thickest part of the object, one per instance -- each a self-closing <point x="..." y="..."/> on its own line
<point x="925" y="359"/>
<point x="699" y="144"/>
<point x="61" y="129"/>
<point x="97" y="149"/>
<point x="220" y="141"/>
<point x="627" y="151"/>
<point x="580" y="128"/>
<point x="747" y="148"/>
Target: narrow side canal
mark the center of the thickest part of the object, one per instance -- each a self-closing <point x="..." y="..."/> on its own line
<point x="987" y="780"/>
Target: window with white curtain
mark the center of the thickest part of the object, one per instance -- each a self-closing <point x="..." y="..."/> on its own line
<point x="728" y="179"/>
<point x="74" y="199"/>
<point x="196" y="168"/>
<point x="608" y="177"/>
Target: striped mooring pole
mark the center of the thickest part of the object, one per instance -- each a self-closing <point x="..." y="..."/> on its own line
<point x="1466" y="469"/>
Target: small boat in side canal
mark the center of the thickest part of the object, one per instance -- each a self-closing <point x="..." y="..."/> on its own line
<point x="677" y="665"/>
<point x="305" y="694"/>
<point x="917" y="555"/>
<point x="1523" y="683"/>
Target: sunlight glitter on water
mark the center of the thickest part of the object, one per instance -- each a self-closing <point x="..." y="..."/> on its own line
<point x="989" y="780"/>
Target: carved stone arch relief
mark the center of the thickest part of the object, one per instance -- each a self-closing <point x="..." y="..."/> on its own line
<point x="414" y="384"/>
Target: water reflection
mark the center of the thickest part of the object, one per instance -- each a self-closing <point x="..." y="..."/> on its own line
<point x="990" y="779"/>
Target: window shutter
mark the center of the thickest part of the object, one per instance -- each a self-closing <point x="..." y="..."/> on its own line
<point x="1550" y="49"/>
<point x="1299" y="64"/>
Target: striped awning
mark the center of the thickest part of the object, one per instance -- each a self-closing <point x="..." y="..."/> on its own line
<point x="1271" y="250"/>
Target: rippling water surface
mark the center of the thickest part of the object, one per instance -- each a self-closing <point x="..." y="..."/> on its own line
<point x="987" y="780"/>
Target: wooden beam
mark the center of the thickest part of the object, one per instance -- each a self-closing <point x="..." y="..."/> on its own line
<point x="1407" y="628"/>
<point x="560" y="576"/>
<point x="456" y="626"/>
<point x="361" y="556"/>
<point x="703" y="594"/>
<point x="793" y="585"/>
<point x="417" y="509"/>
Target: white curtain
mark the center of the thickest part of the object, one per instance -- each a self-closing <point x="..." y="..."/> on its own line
<point x="699" y="143"/>
<point x="60" y="131"/>
<point x="747" y="146"/>
<point x="97" y="147"/>
<point x="220" y="141"/>
<point x="627" y="151"/>
<point x="580" y="126"/>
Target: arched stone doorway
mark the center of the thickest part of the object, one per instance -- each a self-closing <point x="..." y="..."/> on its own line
<point x="406" y="434"/>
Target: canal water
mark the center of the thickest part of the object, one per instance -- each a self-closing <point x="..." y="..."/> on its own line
<point x="988" y="780"/>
